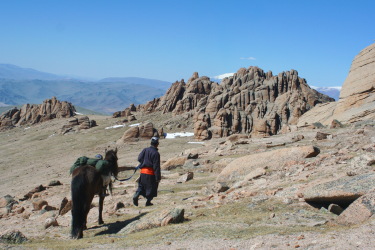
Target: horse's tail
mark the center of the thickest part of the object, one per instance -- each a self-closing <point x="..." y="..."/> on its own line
<point x="79" y="204"/>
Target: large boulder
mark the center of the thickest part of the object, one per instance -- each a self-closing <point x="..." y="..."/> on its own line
<point x="142" y="131"/>
<point x="342" y="190"/>
<point x="238" y="169"/>
<point x="155" y="219"/>
<point x="359" y="211"/>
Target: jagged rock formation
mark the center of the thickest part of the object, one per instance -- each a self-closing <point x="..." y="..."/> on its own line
<point x="127" y="113"/>
<point x="251" y="102"/>
<point x="32" y="114"/>
<point x="357" y="96"/>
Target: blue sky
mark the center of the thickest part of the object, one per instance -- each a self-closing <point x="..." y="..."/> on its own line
<point x="169" y="40"/>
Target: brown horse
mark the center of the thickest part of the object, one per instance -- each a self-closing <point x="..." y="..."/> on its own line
<point x="86" y="182"/>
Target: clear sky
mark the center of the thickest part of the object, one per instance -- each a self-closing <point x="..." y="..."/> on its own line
<point x="170" y="39"/>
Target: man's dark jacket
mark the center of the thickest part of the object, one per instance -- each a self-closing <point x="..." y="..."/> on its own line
<point x="150" y="157"/>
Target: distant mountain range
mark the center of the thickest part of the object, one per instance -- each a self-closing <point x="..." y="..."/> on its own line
<point x="333" y="92"/>
<point x="19" y="86"/>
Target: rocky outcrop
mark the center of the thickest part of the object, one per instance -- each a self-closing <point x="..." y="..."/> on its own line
<point x="181" y="97"/>
<point x="357" y="96"/>
<point x="143" y="131"/>
<point x="77" y="124"/>
<point x="250" y="102"/>
<point x="126" y="113"/>
<point x="32" y="114"/>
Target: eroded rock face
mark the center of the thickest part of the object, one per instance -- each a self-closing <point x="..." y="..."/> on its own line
<point x="32" y="114"/>
<point x="250" y="102"/>
<point x="357" y="96"/>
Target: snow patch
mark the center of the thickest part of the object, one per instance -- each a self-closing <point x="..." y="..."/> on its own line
<point x="196" y="142"/>
<point x="181" y="134"/>
<point x="133" y="125"/>
<point x="115" y="126"/>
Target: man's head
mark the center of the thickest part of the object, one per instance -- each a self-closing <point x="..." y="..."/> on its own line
<point x="155" y="141"/>
<point x="98" y="156"/>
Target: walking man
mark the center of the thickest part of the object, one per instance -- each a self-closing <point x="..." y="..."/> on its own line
<point x="150" y="176"/>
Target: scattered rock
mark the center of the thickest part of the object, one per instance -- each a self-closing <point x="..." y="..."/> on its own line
<point x="192" y="156"/>
<point x="155" y="219"/>
<point x="336" y="209"/>
<point x="51" y="221"/>
<point x="7" y="200"/>
<point x="54" y="183"/>
<point x="13" y="237"/>
<point x="321" y="135"/>
<point x="30" y="194"/>
<point x="336" y="124"/>
<point x="48" y="208"/>
<point x="20" y="210"/>
<point x="38" y="204"/>
<point x="66" y="206"/>
<point x="359" y="211"/>
<point x="297" y="138"/>
<point x="174" y="163"/>
<point x="220" y="187"/>
<point x="186" y="177"/>
<point x="119" y="205"/>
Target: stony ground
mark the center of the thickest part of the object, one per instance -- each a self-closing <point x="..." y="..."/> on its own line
<point x="266" y="212"/>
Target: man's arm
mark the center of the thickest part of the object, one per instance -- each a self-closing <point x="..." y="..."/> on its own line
<point x="156" y="167"/>
<point x="141" y="156"/>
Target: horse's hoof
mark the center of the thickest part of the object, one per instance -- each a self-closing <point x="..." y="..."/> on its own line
<point x="101" y="222"/>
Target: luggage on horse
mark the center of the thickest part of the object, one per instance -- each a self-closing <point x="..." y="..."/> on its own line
<point x="101" y="165"/>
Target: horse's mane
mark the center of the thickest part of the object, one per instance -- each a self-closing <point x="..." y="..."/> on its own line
<point x="111" y="157"/>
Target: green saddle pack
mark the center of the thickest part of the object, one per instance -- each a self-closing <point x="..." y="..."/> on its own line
<point x="101" y="165"/>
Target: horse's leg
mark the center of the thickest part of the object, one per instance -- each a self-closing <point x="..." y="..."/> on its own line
<point x="101" y="202"/>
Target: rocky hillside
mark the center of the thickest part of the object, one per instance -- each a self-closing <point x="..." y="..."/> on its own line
<point x="294" y="190"/>
<point x="250" y="102"/>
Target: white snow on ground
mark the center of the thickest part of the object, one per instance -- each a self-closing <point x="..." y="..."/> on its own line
<point x="78" y="113"/>
<point x="196" y="142"/>
<point x="181" y="134"/>
<point x="116" y="126"/>
<point x="133" y="125"/>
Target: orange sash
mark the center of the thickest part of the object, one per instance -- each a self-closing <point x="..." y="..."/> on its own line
<point x="147" y="170"/>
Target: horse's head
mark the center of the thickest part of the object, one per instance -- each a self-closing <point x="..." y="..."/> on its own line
<point x="111" y="157"/>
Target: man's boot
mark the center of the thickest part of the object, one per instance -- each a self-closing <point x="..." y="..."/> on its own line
<point x="135" y="199"/>
<point x="148" y="203"/>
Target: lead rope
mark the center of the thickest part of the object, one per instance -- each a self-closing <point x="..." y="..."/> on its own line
<point x="126" y="179"/>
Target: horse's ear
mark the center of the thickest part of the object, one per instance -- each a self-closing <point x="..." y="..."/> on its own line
<point x="116" y="150"/>
<point x="105" y="151"/>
